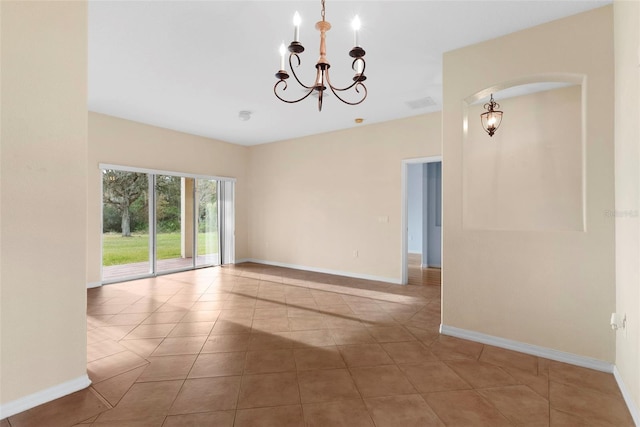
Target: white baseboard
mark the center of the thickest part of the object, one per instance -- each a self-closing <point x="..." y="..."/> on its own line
<point x="628" y="399"/>
<point x="324" y="270"/>
<point x="47" y="395"/>
<point x="91" y="285"/>
<point x="534" y="350"/>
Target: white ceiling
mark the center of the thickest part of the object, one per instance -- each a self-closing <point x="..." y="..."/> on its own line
<point x="192" y="66"/>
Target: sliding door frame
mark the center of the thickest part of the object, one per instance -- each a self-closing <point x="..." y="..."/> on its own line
<point x="226" y="212"/>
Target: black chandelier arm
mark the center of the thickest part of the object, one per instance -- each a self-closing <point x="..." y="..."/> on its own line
<point x="357" y="84"/>
<point x="275" y="88"/>
<point x="293" y="71"/>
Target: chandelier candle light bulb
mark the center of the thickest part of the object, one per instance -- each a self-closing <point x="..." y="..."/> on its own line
<point x="355" y="24"/>
<point x="283" y="50"/>
<point x="296" y="27"/>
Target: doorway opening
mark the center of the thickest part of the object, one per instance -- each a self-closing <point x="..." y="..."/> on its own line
<point x="421" y="217"/>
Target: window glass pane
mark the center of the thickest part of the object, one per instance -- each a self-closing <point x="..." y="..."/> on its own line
<point x="174" y="223"/>
<point x="125" y="224"/>
<point x="208" y="241"/>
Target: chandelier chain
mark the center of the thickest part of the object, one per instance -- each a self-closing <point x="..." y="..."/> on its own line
<point x="322" y="13"/>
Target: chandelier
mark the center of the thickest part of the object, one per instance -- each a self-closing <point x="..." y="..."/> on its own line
<point x="322" y="80"/>
<point x="491" y="118"/>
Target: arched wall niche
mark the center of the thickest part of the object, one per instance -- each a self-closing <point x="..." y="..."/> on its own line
<point x="530" y="175"/>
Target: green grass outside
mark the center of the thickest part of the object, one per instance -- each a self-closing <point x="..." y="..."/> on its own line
<point x="118" y="250"/>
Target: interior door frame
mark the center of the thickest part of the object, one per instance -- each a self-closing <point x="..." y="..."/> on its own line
<point x="404" y="222"/>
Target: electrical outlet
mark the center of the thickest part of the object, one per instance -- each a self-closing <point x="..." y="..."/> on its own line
<point x="355" y="253"/>
<point x="619" y="322"/>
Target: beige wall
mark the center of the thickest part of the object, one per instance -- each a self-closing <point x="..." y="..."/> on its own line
<point x="547" y="288"/>
<point x="538" y="148"/>
<point x="627" y="176"/>
<point x="44" y="196"/>
<point x="315" y="200"/>
<point x="126" y="143"/>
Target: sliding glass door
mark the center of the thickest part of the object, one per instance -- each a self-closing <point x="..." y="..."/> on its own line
<point x="126" y="246"/>
<point x="208" y="238"/>
<point x="155" y="223"/>
<point x="172" y="232"/>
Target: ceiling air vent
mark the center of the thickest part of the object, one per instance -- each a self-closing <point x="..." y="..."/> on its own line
<point x="421" y="103"/>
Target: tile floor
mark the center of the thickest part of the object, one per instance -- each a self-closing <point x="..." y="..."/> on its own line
<point x="252" y="345"/>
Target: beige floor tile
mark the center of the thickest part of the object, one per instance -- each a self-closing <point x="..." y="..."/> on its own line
<point x="158" y="330"/>
<point x="160" y="317"/>
<point x="264" y="390"/>
<point x="102" y="349"/>
<point x="144" y="400"/>
<point x="537" y="383"/>
<point x="190" y="329"/>
<point x="154" y="421"/>
<point x="326" y="385"/>
<point x="464" y="409"/>
<point x="345" y="413"/>
<point x="217" y="419"/>
<point x="226" y="343"/>
<point x="201" y="316"/>
<point x="562" y="419"/>
<point x="380" y="381"/>
<point x="433" y="376"/>
<point x="117" y="332"/>
<point x="268" y="313"/>
<point x="218" y="365"/>
<point x="409" y="352"/>
<point x="588" y="404"/>
<point x="307" y="323"/>
<point x="278" y="416"/>
<point x="327" y="298"/>
<point x="314" y="338"/>
<point x="450" y="348"/>
<point x="270" y="341"/>
<point x="114" y="388"/>
<point x="377" y="319"/>
<point x="347" y="336"/>
<point x="509" y="359"/>
<point x="365" y="355"/>
<point x="164" y="368"/>
<point x="318" y="358"/>
<point x="344" y="321"/>
<point x="384" y="334"/>
<point x="180" y="345"/>
<point x="63" y="412"/>
<point x="113" y="365"/>
<point x="481" y="375"/>
<point x="406" y="411"/>
<point x="519" y="404"/>
<point x="126" y="319"/>
<point x="584" y="378"/>
<point x="142" y="347"/>
<point x="266" y="361"/>
<point x="271" y="324"/>
<point x="238" y="313"/>
<point x="206" y="394"/>
<point x="232" y="327"/>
